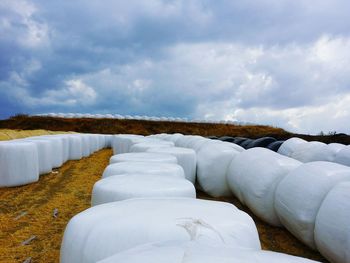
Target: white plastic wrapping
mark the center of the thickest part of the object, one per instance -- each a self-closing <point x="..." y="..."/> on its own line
<point x="121" y="143"/>
<point x="143" y="157"/>
<point x="194" y="252"/>
<point x="18" y="163"/>
<point x="57" y="144"/>
<point x="75" y="147"/>
<point x="332" y="227"/>
<point x="213" y="160"/>
<point x="313" y="151"/>
<point x="186" y="158"/>
<point x="127" y="186"/>
<point x="45" y="154"/>
<point x="343" y="156"/>
<point x="165" y="169"/>
<point x="253" y="177"/>
<point x="300" y="194"/>
<point x="107" y="229"/>
<point x="290" y="145"/>
<point x="144" y="146"/>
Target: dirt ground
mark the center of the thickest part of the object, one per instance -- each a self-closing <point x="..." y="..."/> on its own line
<point x="28" y="211"/>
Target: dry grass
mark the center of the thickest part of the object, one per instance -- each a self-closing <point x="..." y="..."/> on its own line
<point x="69" y="191"/>
<point x="9" y="134"/>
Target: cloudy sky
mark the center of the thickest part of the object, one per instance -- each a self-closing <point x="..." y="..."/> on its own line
<point x="279" y="62"/>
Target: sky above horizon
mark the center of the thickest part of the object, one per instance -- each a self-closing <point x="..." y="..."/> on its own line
<point x="284" y="63"/>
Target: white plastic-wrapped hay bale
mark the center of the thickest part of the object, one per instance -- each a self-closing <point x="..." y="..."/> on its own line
<point x="186" y="158"/>
<point x="108" y="138"/>
<point x="127" y="186"/>
<point x="165" y="169"/>
<point x="232" y="145"/>
<point x="213" y="160"/>
<point x="288" y="147"/>
<point x="45" y="155"/>
<point x="57" y="145"/>
<point x="156" y="220"/>
<point x="195" y="252"/>
<point x="143" y="157"/>
<point x="336" y="147"/>
<point x="121" y="143"/>
<point x="332" y="228"/>
<point x="253" y="177"/>
<point x="85" y="145"/>
<point x="65" y="146"/>
<point x="144" y="146"/>
<point x="313" y="151"/>
<point x="300" y="194"/>
<point x="94" y="141"/>
<point x="19" y="164"/>
<point x="75" y="147"/>
<point x="174" y="137"/>
<point x="343" y="156"/>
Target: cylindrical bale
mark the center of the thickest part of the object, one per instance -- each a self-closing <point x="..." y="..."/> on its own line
<point x="143" y="157"/>
<point x="261" y="142"/>
<point x="75" y="147"/>
<point x="195" y="252"/>
<point x="165" y="169"/>
<point x="332" y="228"/>
<point x="185" y="157"/>
<point x="300" y="194"/>
<point x="213" y="160"/>
<point x="156" y="220"/>
<point x="289" y="146"/>
<point x="19" y="163"/>
<point x="253" y="177"/>
<point x="144" y="146"/>
<point x="127" y="186"/>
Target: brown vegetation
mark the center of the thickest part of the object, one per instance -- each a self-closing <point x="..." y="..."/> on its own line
<point x="114" y="126"/>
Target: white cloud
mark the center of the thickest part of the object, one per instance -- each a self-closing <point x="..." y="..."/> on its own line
<point x="17" y="23"/>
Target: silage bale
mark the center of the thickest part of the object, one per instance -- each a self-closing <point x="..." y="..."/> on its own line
<point x="144" y="146"/>
<point x="213" y="160"/>
<point x="332" y="228"/>
<point x="75" y="147"/>
<point x="186" y="158"/>
<point x="143" y="157"/>
<point x="165" y="169"/>
<point x="121" y="143"/>
<point x="253" y="176"/>
<point x="19" y="163"/>
<point x="289" y="146"/>
<point x="195" y="252"/>
<point x="275" y="146"/>
<point x="45" y="154"/>
<point x="261" y="142"/>
<point x="312" y="151"/>
<point x="127" y="186"/>
<point x="57" y="144"/>
<point x="343" y="156"/>
<point x="300" y="194"/>
<point x="155" y="220"/>
<point x="86" y="148"/>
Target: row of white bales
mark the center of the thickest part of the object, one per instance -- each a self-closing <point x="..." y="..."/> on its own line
<point x="139" y="117"/>
<point x="311" y="200"/>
